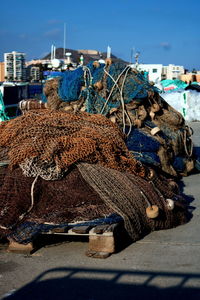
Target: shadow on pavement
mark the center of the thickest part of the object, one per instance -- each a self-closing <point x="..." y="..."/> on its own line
<point x="95" y="284"/>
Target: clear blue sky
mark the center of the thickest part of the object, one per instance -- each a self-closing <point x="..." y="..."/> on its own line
<point x="162" y="31"/>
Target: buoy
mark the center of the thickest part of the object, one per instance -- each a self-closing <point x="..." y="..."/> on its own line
<point x="96" y="64"/>
<point x="152" y="115"/>
<point x="22" y="105"/>
<point x="170" y="204"/>
<point x="112" y="110"/>
<point x="83" y="108"/>
<point x="108" y="61"/>
<point x="75" y="107"/>
<point x="155" y="107"/>
<point x="174" y="186"/>
<point x="152" y="211"/>
<point x="83" y="88"/>
<point x="138" y="123"/>
<point x="98" y="85"/>
<point x="113" y="119"/>
<point x="68" y="108"/>
<point x="151" y="174"/>
<point x="189" y="165"/>
<point x="142" y="113"/>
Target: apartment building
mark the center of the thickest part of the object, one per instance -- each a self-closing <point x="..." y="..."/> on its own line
<point x="154" y="71"/>
<point x="15" y="69"/>
<point x="2" y="71"/>
<point x="34" y="74"/>
<point x="158" y="72"/>
<point x="172" y="72"/>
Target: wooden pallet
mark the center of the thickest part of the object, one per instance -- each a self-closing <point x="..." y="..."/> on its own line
<point x="103" y="239"/>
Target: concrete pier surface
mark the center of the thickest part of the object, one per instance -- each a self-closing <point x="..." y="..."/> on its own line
<point x="163" y="265"/>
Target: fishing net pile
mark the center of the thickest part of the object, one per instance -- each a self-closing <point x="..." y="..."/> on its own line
<point x="65" y="167"/>
<point x="46" y="143"/>
<point x="156" y="134"/>
<point x="88" y="193"/>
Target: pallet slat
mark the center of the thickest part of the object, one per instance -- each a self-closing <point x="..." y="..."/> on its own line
<point x="103" y="239"/>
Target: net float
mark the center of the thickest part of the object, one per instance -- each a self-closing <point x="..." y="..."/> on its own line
<point x="152" y="211"/>
<point x="170" y="204"/>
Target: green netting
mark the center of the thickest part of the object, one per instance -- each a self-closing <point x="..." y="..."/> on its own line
<point x="176" y="83"/>
<point x="3" y="116"/>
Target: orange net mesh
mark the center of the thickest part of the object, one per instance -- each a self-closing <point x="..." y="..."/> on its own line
<point x="45" y="142"/>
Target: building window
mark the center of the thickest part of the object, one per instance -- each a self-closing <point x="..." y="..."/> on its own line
<point x="154" y="70"/>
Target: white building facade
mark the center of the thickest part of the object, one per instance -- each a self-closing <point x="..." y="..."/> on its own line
<point x="34" y="73"/>
<point x="15" y="69"/>
<point x="158" y="72"/>
<point x="172" y="72"/>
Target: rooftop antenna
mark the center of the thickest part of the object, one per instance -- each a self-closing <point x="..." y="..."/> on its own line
<point x="54" y="52"/>
<point x="132" y="51"/>
<point x="64" y="41"/>
<point x="51" y="52"/>
<point x="137" y="54"/>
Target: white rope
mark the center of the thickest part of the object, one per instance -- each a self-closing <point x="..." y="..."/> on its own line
<point x="127" y="68"/>
<point x="115" y="84"/>
<point x="145" y="198"/>
<point x="31" y="206"/>
<point x="32" y="199"/>
<point x="87" y="70"/>
<point x="187" y="151"/>
<point x="122" y="99"/>
<point x="3" y="227"/>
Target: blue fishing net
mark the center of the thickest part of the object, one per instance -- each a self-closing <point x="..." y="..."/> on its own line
<point x="135" y="85"/>
<point x="28" y="231"/>
<point x="120" y="83"/>
<point x="143" y="146"/>
<point x="141" y="142"/>
<point x="179" y="163"/>
<point x="70" y="85"/>
<point x="148" y="158"/>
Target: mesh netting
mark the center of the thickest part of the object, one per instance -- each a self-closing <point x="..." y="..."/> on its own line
<point x="126" y="97"/>
<point x="46" y="143"/>
<point x="136" y="195"/>
<point x="62" y="201"/>
<point x="86" y="193"/>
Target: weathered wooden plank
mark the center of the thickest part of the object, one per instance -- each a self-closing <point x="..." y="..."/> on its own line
<point x="60" y="230"/>
<point x="20" y="248"/>
<point x="103" y="239"/>
<point x="81" y="229"/>
<point x="101" y="243"/>
<point x="100" y="229"/>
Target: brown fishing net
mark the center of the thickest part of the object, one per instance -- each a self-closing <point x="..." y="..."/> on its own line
<point x="62" y="201"/>
<point x="84" y="194"/>
<point x="129" y="196"/>
<point x="82" y="170"/>
<point x="46" y="143"/>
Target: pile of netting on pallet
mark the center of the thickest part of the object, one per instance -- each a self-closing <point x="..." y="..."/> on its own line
<point x="65" y="167"/>
<point x="155" y="133"/>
